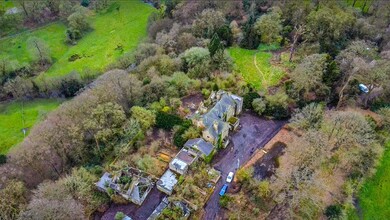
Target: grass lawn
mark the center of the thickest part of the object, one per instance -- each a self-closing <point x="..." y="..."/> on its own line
<point x="11" y="123"/>
<point x="263" y="76"/>
<point x="374" y="196"/>
<point x="114" y="33"/>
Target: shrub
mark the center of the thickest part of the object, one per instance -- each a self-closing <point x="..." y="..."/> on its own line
<point x="3" y="159"/>
<point x="244" y="175"/>
<point x="224" y="201"/>
<point x="182" y="134"/>
<point x="259" y="105"/>
<point x="277" y="106"/>
<point x="70" y="84"/>
<point x="119" y="216"/>
<point x="248" y="99"/>
<point x="85" y="3"/>
<point x="209" y="158"/>
<point x="167" y="121"/>
<point x="205" y="93"/>
<point x="125" y="179"/>
<point x="263" y="189"/>
<point x="333" y="211"/>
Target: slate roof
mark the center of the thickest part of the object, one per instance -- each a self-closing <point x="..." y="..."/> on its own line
<point x="216" y="115"/>
<point x="168" y="180"/>
<point x="201" y="145"/>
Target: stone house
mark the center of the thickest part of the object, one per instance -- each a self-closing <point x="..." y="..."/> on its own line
<point x="220" y="118"/>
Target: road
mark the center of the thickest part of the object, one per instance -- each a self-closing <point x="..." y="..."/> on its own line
<point x="253" y="134"/>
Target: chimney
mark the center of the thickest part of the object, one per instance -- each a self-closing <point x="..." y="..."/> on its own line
<point x="215" y="125"/>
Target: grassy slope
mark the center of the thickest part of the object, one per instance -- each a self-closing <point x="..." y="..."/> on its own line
<point x="244" y="60"/>
<point x="11" y="123"/>
<point x="374" y="196"/>
<point x="112" y="29"/>
<point x="122" y="28"/>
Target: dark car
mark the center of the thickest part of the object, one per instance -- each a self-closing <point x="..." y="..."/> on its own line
<point x="223" y="190"/>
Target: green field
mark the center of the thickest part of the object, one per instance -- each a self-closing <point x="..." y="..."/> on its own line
<point x="11" y="120"/>
<point x="114" y="32"/>
<point x="259" y="77"/>
<point x="374" y="196"/>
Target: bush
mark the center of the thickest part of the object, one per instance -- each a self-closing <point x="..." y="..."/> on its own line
<point x="244" y="175"/>
<point x="209" y="158"/>
<point x="85" y="3"/>
<point x="70" y="85"/>
<point x="179" y="138"/>
<point x="277" y="106"/>
<point x="205" y="93"/>
<point x="3" y="159"/>
<point x="119" y="216"/>
<point x="167" y="121"/>
<point x="248" y="99"/>
<point x="333" y="211"/>
<point x="224" y="201"/>
<point x="259" y="105"/>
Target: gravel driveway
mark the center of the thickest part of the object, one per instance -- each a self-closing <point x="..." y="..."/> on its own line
<point x="253" y="133"/>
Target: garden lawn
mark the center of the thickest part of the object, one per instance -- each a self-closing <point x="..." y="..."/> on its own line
<point x="374" y="196"/>
<point x="115" y="32"/>
<point x="263" y="76"/>
<point x="11" y="123"/>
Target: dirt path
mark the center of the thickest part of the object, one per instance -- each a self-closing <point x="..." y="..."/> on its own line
<point x="259" y="70"/>
<point x="254" y="133"/>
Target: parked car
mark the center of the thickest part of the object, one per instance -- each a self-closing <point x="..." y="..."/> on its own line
<point x="223" y="189"/>
<point x="229" y="178"/>
<point x="363" y="88"/>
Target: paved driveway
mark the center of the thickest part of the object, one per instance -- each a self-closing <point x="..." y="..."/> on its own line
<point x="254" y="133"/>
